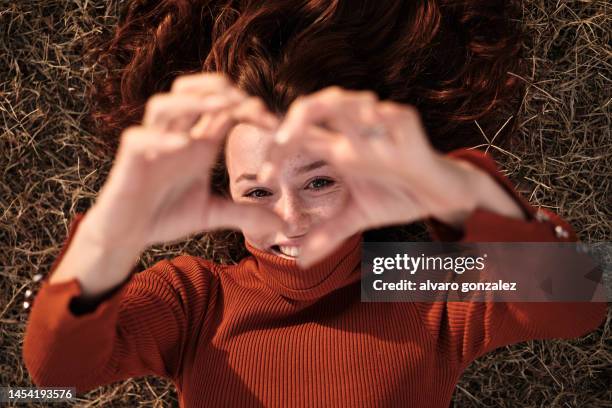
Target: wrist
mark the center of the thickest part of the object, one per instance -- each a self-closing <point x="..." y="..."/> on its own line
<point x="97" y="269"/>
<point x="97" y="266"/>
<point x="488" y="194"/>
<point x="97" y="228"/>
<point x="462" y="196"/>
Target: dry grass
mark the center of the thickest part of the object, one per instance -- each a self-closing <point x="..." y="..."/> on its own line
<point x="52" y="167"/>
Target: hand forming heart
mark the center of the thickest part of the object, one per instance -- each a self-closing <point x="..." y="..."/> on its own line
<point x="393" y="173"/>
<point x="158" y="188"/>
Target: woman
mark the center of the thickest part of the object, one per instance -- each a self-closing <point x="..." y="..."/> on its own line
<point x="305" y="176"/>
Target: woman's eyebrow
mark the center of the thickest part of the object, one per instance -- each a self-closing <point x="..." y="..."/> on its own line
<point x="312" y="166"/>
<point x="304" y="169"/>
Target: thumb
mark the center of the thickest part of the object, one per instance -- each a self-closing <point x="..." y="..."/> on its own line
<point x="222" y="213"/>
<point x="325" y="238"/>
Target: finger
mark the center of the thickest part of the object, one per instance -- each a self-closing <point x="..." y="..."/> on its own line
<point x="369" y="161"/>
<point x="141" y="142"/>
<point x="249" y="218"/>
<point x="169" y="142"/>
<point x="206" y="83"/>
<point x="325" y="238"/>
<point x="253" y="110"/>
<point x="276" y="153"/>
<point x="404" y="123"/>
<point x="199" y="130"/>
<point x="323" y="144"/>
<point x="165" y="152"/>
<point x="180" y="112"/>
<point x="212" y="126"/>
<point x="214" y="129"/>
<point x="221" y="124"/>
<point x="341" y="110"/>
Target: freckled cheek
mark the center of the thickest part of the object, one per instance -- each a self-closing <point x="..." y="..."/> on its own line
<point x="325" y="206"/>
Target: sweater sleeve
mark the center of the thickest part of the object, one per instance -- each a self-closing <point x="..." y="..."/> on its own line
<point x="466" y="330"/>
<point x="141" y="327"/>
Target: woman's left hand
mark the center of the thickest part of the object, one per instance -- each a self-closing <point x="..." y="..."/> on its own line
<point x="393" y="173"/>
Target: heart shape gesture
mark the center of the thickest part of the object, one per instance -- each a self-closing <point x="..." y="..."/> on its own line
<point x="159" y="187"/>
<point x="393" y="174"/>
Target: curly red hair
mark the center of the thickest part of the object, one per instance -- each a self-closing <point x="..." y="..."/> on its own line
<point x="449" y="58"/>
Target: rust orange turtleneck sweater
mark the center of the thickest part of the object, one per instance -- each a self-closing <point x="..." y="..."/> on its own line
<point x="265" y="333"/>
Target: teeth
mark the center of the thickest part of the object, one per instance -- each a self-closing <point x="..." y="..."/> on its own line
<point x="290" y="251"/>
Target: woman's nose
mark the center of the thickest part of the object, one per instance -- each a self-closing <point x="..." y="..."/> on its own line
<point x="293" y="211"/>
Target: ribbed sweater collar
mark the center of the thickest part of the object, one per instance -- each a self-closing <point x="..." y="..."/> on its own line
<point x="286" y="278"/>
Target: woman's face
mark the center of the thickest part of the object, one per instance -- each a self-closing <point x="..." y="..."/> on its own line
<point x="305" y="191"/>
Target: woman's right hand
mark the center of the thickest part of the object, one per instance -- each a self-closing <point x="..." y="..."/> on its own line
<point x="158" y="189"/>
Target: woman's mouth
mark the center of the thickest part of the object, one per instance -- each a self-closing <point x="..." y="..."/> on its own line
<point x="289" y="251"/>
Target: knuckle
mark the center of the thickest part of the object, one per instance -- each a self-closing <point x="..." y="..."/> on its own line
<point x="300" y="105"/>
<point x="411" y="109"/>
<point x="129" y="133"/>
<point x="220" y="76"/>
<point x="410" y="112"/>
<point x="300" y="99"/>
<point x="179" y="83"/>
<point x="131" y="141"/>
<point x="255" y="105"/>
<point x="389" y="108"/>
<point x="305" y="106"/>
<point x="154" y="101"/>
<point x="369" y="96"/>
<point x="235" y="94"/>
<point x="254" y="102"/>
<point x="333" y="91"/>
<point x="186" y="81"/>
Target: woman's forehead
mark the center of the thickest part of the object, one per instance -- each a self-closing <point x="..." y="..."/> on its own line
<point x="246" y="149"/>
<point x="247" y="144"/>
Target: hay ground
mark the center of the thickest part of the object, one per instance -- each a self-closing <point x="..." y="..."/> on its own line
<point x="50" y="170"/>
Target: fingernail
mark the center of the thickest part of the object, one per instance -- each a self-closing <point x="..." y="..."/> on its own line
<point x="281" y="136"/>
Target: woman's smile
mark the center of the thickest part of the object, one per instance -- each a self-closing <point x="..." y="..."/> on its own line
<point x="305" y="191"/>
<point x="291" y="252"/>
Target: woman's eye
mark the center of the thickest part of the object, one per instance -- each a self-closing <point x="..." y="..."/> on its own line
<point x="257" y="193"/>
<point x="320" y="183"/>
